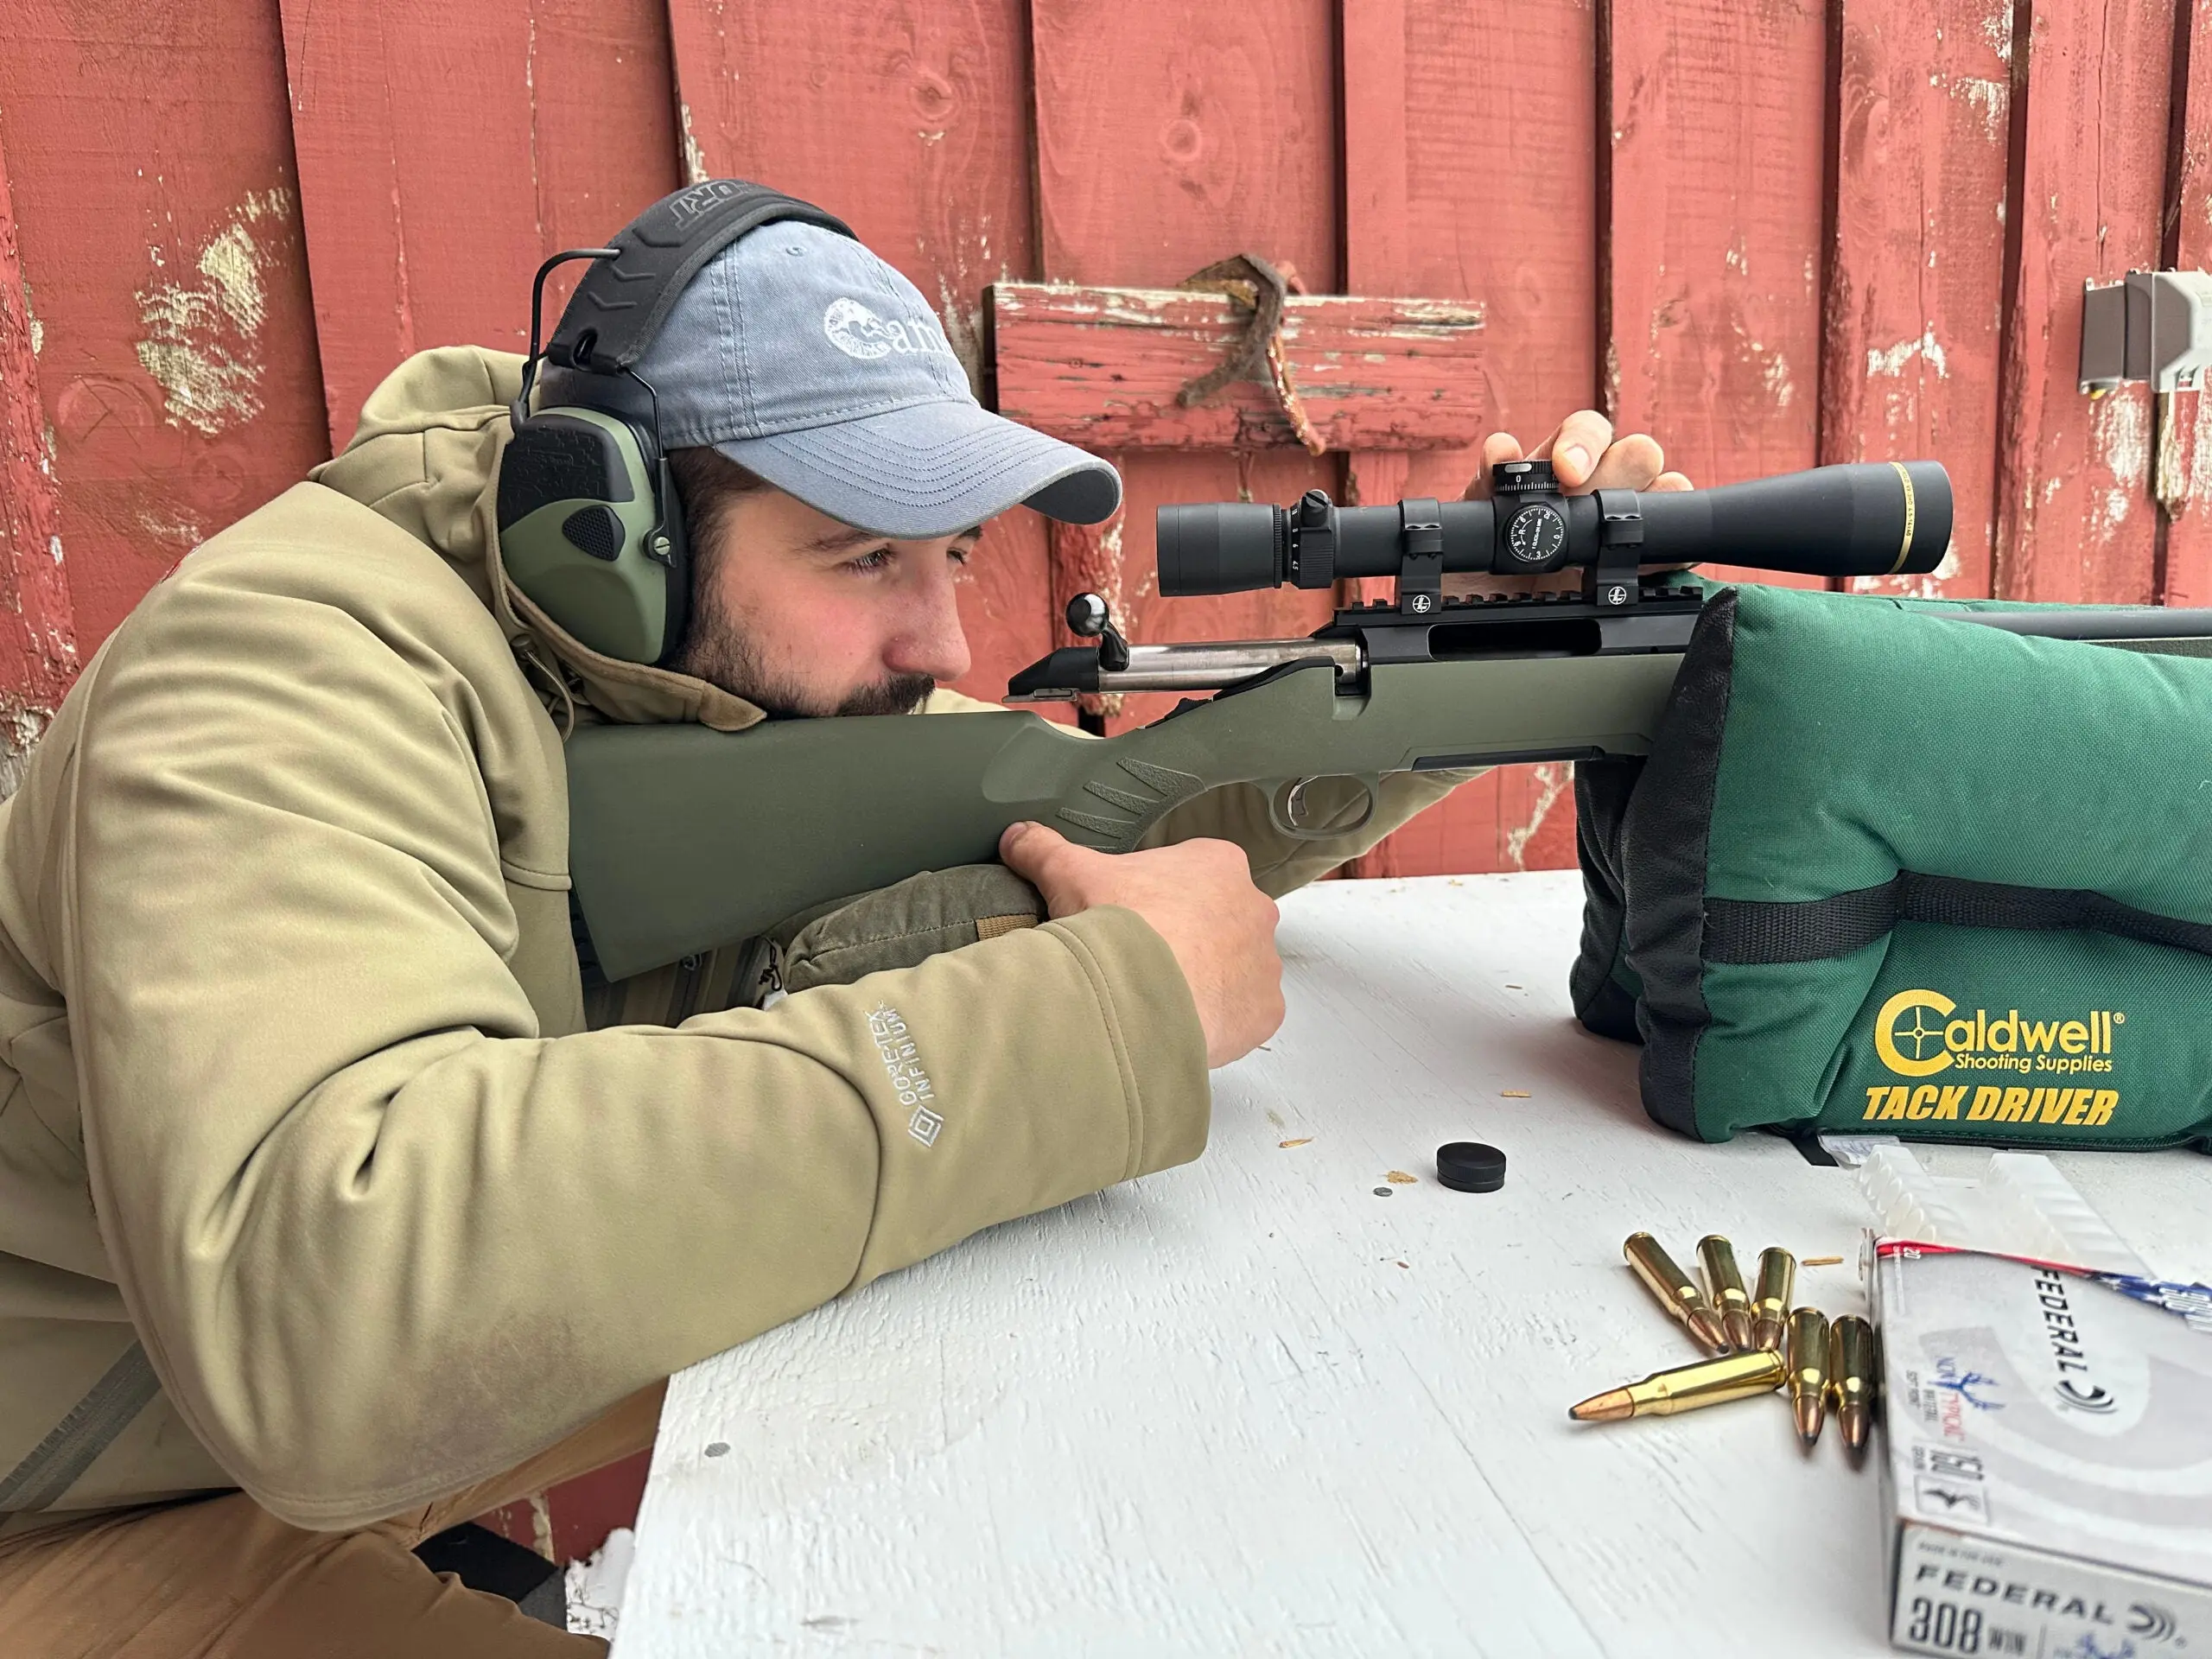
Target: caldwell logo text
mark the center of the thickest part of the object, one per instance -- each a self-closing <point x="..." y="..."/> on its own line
<point x="1919" y="1033"/>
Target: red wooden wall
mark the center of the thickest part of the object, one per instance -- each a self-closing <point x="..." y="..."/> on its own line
<point x="1774" y="235"/>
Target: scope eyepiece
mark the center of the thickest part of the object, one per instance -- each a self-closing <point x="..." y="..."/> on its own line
<point x="1222" y="547"/>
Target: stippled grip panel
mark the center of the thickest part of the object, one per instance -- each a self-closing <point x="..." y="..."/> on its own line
<point x="1118" y="803"/>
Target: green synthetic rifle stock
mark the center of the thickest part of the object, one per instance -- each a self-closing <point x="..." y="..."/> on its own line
<point x="683" y="840"/>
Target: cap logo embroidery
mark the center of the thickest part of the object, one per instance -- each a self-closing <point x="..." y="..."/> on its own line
<point x="858" y="331"/>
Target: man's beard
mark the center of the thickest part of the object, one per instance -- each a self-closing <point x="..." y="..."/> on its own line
<point x="720" y="653"/>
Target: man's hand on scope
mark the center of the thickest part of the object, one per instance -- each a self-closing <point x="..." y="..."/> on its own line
<point x="1197" y="895"/>
<point x="1587" y="456"/>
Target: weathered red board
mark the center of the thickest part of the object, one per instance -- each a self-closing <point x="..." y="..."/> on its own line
<point x="1470" y="174"/>
<point x="911" y="121"/>
<point x="1102" y="367"/>
<point x="445" y="151"/>
<point x="2074" y="514"/>
<point x="1168" y="138"/>
<point x="1711" y="324"/>
<point x="2183" y="465"/>
<point x="157" y="216"/>
<point x="1916" y="273"/>
<point x="38" y="643"/>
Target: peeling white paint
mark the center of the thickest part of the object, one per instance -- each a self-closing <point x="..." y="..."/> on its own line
<point x="20" y="731"/>
<point x="1997" y="32"/>
<point x="1775" y="378"/>
<point x="2115" y="510"/>
<point x="1990" y="98"/>
<point x="1552" y="779"/>
<point x="695" y="159"/>
<point x="202" y="343"/>
<point x="2119" y="428"/>
<point x="2200" y="463"/>
<point x="166" y="526"/>
<point x="541" y="1526"/>
<point x="964" y="331"/>
<point x="2119" y="434"/>
<point x="54" y="546"/>
<point x="1106" y="575"/>
<point x="1892" y="361"/>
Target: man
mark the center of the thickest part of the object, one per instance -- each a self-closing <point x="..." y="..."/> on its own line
<point x="326" y="1221"/>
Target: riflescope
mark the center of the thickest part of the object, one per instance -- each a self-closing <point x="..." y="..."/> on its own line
<point x="1866" y="519"/>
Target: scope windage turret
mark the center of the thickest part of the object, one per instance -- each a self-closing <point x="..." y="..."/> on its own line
<point x="1866" y="519"/>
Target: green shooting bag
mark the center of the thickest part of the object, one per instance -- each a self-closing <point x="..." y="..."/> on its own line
<point x="1886" y="871"/>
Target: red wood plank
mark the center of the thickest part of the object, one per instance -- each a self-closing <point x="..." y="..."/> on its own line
<point x="2184" y="458"/>
<point x="1470" y="173"/>
<point x="38" y="649"/>
<point x="551" y="120"/>
<point x="910" y="121"/>
<point x="1717" y="129"/>
<point x="572" y="1520"/>
<point x="1102" y="367"/>
<point x="155" y="208"/>
<point x="2074" y="520"/>
<point x="1168" y="138"/>
<point x="444" y="151"/>
<point x="1915" y="278"/>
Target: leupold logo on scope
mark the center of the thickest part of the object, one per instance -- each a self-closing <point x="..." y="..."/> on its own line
<point x="1920" y="1032"/>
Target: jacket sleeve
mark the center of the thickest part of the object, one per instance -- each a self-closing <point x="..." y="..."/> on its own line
<point x="381" y="1238"/>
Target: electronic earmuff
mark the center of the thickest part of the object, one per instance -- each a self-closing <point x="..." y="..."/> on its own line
<point x="591" y="524"/>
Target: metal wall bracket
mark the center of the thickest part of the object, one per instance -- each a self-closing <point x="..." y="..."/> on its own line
<point x="2154" y="326"/>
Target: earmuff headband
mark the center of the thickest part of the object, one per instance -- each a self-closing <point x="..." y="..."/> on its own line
<point x="619" y="306"/>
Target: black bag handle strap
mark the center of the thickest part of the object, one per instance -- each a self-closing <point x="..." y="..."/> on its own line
<point x="619" y="306"/>
<point x="1759" y="932"/>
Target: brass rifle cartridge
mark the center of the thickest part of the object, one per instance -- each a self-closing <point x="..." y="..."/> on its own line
<point x="1808" y="1370"/>
<point x="1771" y="1301"/>
<point x="1853" y="1376"/>
<point x="1686" y="1387"/>
<point x="1677" y="1292"/>
<point x="1723" y="1288"/>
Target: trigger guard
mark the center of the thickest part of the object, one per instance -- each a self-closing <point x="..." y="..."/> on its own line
<point x="1284" y="798"/>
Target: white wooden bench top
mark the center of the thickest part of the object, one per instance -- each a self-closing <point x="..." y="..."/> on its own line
<point x="1249" y="1407"/>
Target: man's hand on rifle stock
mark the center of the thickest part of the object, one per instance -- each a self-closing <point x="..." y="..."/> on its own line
<point x="1197" y="896"/>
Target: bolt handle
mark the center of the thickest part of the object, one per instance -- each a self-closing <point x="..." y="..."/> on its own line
<point x="1090" y="618"/>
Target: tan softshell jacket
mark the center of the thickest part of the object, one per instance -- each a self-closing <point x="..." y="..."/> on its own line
<point x="312" y="1181"/>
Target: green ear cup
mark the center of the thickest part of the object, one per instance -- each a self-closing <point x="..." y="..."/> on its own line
<point x="576" y="511"/>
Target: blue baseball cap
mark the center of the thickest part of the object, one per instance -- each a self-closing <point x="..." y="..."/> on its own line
<point x="810" y="361"/>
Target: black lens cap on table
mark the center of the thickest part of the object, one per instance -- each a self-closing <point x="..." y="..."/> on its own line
<point x="1470" y="1166"/>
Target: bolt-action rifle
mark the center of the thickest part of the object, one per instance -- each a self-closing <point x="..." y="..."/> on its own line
<point x="683" y="839"/>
